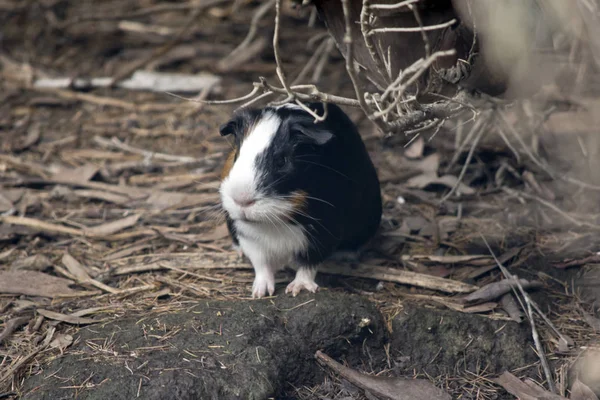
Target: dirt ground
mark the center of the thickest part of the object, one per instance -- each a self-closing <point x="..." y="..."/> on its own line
<point x="114" y="256"/>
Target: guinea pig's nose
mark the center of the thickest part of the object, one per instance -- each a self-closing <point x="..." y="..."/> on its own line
<point x="244" y="201"/>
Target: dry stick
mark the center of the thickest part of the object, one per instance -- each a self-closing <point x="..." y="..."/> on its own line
<point x="552" y="207"/>
<point x="11" y="325"/>
<point x="474" y="129"/>
<point x="317" y="54"/>
<point x="253" y="93"/>
<point x="405" y="3"/>
<point x="160" y="51"/>
<point x="318" y="71"/>
<point x="529" y="312"/>
<point x="279" y="67"/>
<point x="115" y="143"/>
<point x="351" y="68"/>
<point x="416" y="29"/>
<point x="480" y="134"/>
<point x="143" y="12"/>
<point x="553" y="174"/>
<point x="188" y="262"/>
<point x="258" y="15"/>
<point x="422" y="69"/>
<point x="365" y="16"/>
<point x="422" y="30"/>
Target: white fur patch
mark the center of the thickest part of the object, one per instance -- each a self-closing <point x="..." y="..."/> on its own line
<point x="242" y="180"/>
<point x="264" y="234"/>
<point x="305" y="279"/>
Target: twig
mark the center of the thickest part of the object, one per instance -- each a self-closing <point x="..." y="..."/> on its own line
<point x="529" y="313"/>
<point x="352" y="71"/>
<point x="258" y="15"/>
<point x="551" y="206"/>
<point x="11" y="325"/>
<point x="115" y="143"/>
<point x="161" y="50"/>
<point x="405" y="3"/>
<point x="416" y="29"/>
<point x="480" y="134"/>
<point x="276" y="51"/>
<point x="163" y="8"/>
<point x="365" y="17"/>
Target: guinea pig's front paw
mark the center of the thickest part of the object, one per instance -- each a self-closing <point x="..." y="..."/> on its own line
<point x="262" y="285"/>
<point x="305" y="279"/>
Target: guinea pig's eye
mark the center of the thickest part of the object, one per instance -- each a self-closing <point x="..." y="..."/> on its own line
<point x="280" y="161"/>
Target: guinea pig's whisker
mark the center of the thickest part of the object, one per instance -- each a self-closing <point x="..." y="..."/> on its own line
<point x="324" y="166"/>
<point x="273" y="184"/>
<point x="283" y="197"/>
<point x="302" y="213"/>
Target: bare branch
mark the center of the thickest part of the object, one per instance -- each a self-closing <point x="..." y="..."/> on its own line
<point x="416" y="29"/>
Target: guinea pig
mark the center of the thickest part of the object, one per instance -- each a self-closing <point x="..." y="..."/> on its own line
<point x="295" y="191"/>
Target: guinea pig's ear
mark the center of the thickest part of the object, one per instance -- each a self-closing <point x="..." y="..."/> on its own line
<point x="318" y="134"/>
<point x="229" y="128"/>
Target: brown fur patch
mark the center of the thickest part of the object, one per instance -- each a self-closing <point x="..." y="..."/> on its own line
<point x="298" y="200"/>
<point x="234" y="153"/>
<point x="229" y="163"/>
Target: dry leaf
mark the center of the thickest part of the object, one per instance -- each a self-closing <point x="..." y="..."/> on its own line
<point x="5" y="254"/>
<point x="522" y="390"/>
<point x="386" y="388"/>
<point x="32" y="137"/>
<point x="61" y="341"/>
<point x="113" y="227"/>
<point x="13" y="195"/>
<point x="102" y="195"/>
<point x="496" y="289"/>
<point x="32" y="283"/>
<point x="163" y="200"/>
<point x="450" y="259"/>
<point x="37" y="262"/>
<point x="431" y="163"/>
<point x="429" y="178"/>
<point x="581" y="391"/>
<point x="5" y="204"/>
<point x="415" y="149"/>
<point x="220" y="232"/>
<point x="80" y="273"/>
<point x="509" y="304"/>
<point x="11" y="325"/>
<point x="70" y="319"/>
<point x="592" y="321"/>
<point x="75" y="268"/>
<point x="480" y="308"/>
<point x="79" y="174"/>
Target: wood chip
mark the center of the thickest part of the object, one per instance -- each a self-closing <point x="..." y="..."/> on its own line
<point x="32" y="137"/>
<point x="81" y="275"/>
<point x="102" y="195"/>
<point x="33" y="283"/>
<point x="112" y="227"/>
<point x="79" y="174"/>
<point x="36" y="262"/>
<point x="69" y="319"/>
<point x="74" y="267"/>
<point x="424" y="180"/>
